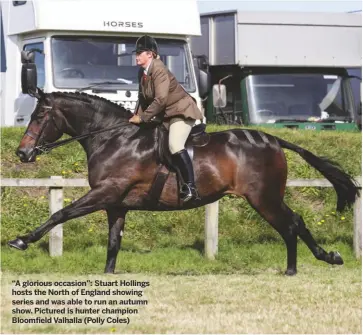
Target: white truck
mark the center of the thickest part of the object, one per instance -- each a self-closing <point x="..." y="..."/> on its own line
<point x="88" y="43"/>
<point x="282" y="69"/>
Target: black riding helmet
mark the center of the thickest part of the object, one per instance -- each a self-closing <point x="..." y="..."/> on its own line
<point x="146" y="43"/>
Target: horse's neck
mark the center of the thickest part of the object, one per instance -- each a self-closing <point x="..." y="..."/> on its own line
<point x="127" y="136"/>
<point x="76" y="125"/>
<point x="84" y="119"/>
<point x="81" y="120"/>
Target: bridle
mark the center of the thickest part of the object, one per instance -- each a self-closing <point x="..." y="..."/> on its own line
<point x="37" y="136"/>
<point x="47" y="147"/>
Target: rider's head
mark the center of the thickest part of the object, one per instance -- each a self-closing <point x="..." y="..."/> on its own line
<point x="146" y="49"/>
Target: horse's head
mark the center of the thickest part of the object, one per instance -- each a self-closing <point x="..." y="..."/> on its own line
<point x="45" y="126"/>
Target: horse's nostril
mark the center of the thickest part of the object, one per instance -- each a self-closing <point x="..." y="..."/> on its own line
<point x="23" y="154"/>
<point x="20" y="154"/>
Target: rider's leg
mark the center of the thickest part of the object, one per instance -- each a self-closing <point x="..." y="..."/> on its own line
<point x="178" y="134"/>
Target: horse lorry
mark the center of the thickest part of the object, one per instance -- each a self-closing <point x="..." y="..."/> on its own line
<point x="88" y="46"/>
<point x="282" y="69"/>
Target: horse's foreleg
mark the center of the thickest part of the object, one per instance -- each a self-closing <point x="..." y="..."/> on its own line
<point x="93" y="201"/>
<point x="116" y="223"/>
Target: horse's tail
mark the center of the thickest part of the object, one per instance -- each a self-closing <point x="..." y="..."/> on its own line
<point x="345" y="186"/>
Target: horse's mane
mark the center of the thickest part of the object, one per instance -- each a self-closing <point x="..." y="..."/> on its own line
<point x="104" y="112"/>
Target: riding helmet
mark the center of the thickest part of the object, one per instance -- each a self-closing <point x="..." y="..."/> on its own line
<point x="146" y="43"/>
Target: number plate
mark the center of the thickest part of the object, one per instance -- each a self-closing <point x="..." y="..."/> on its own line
<point x="310" y="127"/>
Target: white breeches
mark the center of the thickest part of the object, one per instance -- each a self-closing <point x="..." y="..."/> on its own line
<point x="179" y="131"/>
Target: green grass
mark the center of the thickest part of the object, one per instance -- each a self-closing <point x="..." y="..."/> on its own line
<point x="231" y="258"/>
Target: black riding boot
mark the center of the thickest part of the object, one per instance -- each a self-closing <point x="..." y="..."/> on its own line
<point x="183" y="163"/>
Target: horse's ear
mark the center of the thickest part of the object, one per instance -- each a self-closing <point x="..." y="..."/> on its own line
<point x="34" y="94"/>
<point x="40" y="93"/>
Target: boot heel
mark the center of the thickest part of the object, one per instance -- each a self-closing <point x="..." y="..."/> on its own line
<point x="184" y="165"/>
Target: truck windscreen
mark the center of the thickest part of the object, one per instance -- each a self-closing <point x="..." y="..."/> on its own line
<point x="79" y="61"/>
<point x="303" y="97"/>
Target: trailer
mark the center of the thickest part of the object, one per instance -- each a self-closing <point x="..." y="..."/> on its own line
<point x="282" y="69"/>
<point x="88" y="46"/>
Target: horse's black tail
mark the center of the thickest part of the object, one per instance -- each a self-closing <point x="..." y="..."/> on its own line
<point x="345" y="186"/>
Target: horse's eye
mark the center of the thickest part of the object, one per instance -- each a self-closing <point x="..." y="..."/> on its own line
<point x="37" y="117"/>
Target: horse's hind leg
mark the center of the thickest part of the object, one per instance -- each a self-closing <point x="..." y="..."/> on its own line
<point x="280" y="217"/>
<point x="318" y="252"/>
<point x="290" y="225"/>
<point x="116" y="223"/>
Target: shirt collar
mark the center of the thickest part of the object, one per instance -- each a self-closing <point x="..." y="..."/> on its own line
<point x="147" y="68"/>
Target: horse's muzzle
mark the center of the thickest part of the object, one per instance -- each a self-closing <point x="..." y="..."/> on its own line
<point x="26" y="155"/>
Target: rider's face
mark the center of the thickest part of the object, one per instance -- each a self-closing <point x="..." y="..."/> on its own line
<point x="143" y="58"/>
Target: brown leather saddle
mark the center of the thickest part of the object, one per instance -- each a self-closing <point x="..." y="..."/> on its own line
<point x="197" y="138"/>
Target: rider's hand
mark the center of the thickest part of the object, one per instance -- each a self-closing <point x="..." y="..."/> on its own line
<point x="135" y="119"/>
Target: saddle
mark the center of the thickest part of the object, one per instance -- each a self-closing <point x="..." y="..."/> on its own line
<point x="197" y="138"/>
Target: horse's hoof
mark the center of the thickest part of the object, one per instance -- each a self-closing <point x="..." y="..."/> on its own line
<point x="290" y="272"/>
<point x="18" y="244"/>
<point x="336" y="258"/>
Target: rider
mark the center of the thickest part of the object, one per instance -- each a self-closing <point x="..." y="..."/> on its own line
<point x="162" y="97"/>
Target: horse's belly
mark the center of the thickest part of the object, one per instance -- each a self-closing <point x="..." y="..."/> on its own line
<point x="170" y="193"/>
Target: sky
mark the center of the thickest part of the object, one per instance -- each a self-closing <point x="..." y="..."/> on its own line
<point x="206" y="6"/>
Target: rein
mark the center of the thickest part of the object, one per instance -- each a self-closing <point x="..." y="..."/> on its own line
<point x="45" y="148"/>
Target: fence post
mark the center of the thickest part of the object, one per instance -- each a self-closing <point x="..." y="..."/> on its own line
<point x="211" y="230"/>
<point x="357" y="233"/>
<point x="56" y="234"/>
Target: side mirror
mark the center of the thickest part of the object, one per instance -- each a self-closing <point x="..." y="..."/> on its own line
<point x="219" y="96"/>
<point x="201" y="69"/>
<point x="201" y="62"/>
<point x="29" y="78"/>
<point x="203" y="82"/>
<point x="27" y="56"/>
<point x="28" y="72"/>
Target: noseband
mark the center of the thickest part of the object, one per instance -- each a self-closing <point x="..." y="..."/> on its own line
<point x="37" y="136"/>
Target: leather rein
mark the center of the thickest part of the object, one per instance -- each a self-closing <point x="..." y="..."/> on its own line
<point x="47" y="147"/>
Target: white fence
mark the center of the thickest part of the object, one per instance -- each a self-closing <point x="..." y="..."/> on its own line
<point x="57" y="183"/>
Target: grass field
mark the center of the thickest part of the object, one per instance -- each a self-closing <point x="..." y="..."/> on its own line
<point x="321" y="300"/>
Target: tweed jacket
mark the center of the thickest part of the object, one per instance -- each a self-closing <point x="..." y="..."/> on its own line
<point x="162" y="97"/>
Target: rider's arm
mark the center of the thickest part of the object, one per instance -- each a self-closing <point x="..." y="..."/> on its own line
<point x="161" y="86"/>
<point x="139" y="104"/>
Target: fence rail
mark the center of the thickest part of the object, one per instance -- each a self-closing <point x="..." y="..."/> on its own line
<point x="57" y="183"/>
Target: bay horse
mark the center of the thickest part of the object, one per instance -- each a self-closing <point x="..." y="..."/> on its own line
<point x="123" y="161"/>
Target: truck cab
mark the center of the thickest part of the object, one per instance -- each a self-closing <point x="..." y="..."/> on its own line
<point x="88" y="46"/>
<point x="280" y="69"/>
